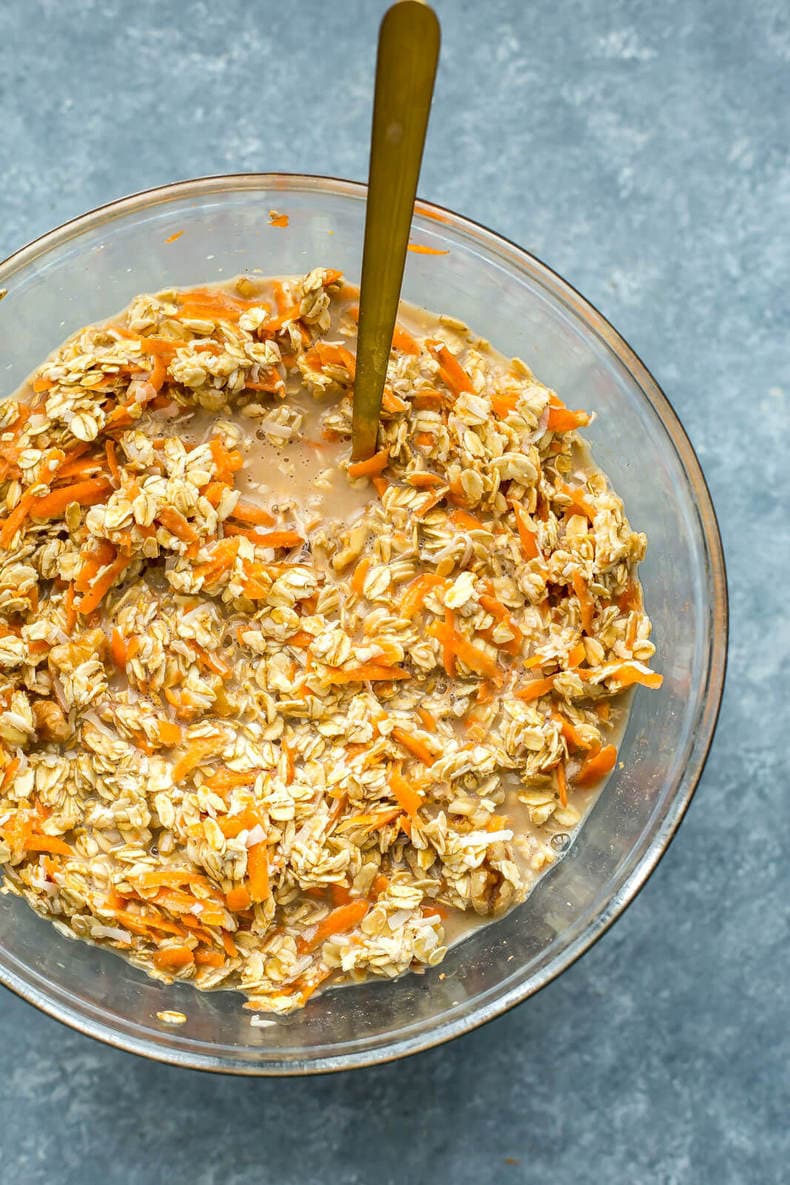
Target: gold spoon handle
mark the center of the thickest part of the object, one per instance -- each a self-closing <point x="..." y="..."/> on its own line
<point x="405" y="70"/>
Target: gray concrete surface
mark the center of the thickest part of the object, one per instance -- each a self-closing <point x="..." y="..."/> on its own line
<point x="641" y="149"/>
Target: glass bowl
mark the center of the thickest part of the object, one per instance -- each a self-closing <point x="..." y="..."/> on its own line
<point x="211" y="229"/>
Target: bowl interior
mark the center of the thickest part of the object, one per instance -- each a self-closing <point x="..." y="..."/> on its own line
<point x="90" y="269"/>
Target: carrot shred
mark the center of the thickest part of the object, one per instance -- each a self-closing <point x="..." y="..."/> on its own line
<point x="372" y="465"/>
<point x="576" y="656"/>
<point x="258" y="872"/>
<point x="278" y="220"/>
<point x="414" y="745"/>
<point x="597" y="766"/>
<point x="500" y="613"/>
<point x="209" y="958"/>
<point x="112" y="462"/>
<point x="423" y="249"/>
<point x="357" y="581"/>
<point x="344" y="918"/>
<point x="462" y="518"/>
<point x="173" y="958"/>
<point x="171" y="878"/>
<point x="403" y="341"/>
<point x="173" y="521"/>
<point x="586" y="602"/>
<point x="579" y="502"/>
<point x="70" y="610"/>
<point x="195" y="754"/>
<point x="629" y="673"/>
<point x="168" y="733"/>
<point x="451" y="372"/>
<point x="424" y="481"/>
<point x="10" y="772"/>
<point x="286" y="539"/>
<point x="92" y="599"/>
<point x="428" y="719"/>
<point x="86" y="493"/>
<point x="630" y="600"/>
<point x="562" y="783"/>
<point x="256" y="516"/>
<point x="424" y="439"/>
<point x="226" y="462"/>
<point x="238" y="898"/>
<point x="562" y="419"/>
<point x="503" y="404"/>
<point x="48" y="843"/>
<point x="406" y="796"/>
<point x="536" y="689"/>
<point x="368" y="671"/>
<point x="527" y="537"/>
<point x="418" y="590"/>
<point x="380" y="485"/>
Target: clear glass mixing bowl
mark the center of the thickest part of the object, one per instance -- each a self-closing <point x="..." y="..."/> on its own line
<point x="89" y="269"/>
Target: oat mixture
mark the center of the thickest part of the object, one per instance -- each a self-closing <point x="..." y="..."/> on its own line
<point x="272" y="736"/>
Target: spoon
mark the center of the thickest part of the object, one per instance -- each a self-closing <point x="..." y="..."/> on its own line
<point x="408" y="52"/>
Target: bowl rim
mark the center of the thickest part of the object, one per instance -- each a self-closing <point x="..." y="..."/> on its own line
<point x="394" y="1048"/>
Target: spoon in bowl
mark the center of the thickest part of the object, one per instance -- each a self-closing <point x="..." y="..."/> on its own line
<point x="408" y="53"/>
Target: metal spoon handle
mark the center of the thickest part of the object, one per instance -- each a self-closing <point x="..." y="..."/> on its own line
<point x="405" y="70"/>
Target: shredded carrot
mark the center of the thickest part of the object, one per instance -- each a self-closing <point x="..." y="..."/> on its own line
<point x="325" y="354"/>
<point x="435" y="910"/>
<point x="468" y="522"/>
<point x="9" y="773"/>
<point x="172" y="878"/>
<point x="414" y="745"/>
<point x="238" y="898"/>
<point x="16" y="518"/>
<point x="576" y="656"/>
<point x="226" y="462"/>
<point x="168" y="733"/>
<point x="287" y="539"/>
<point x="603" y="710"/>
<point x="357" y="581"/>
<point x="570" y="732"/>
<point x="256" y="516"/>
<point x="102" y="585"/>
<point x="119" y="650"/>
<point x="500" y="613"/>
<point x="406" y="796"/>
<point x="339" y="894"/>
<point x="418" y="590"/>
<point x="504" y="403"/>
<point x="422" y="249"/>
<point x="536" y="689"/>
<point x="451" y="372"/>
<point x="392" y="403"/>
<point x="586" y="603"/>
<point x="630" y="600"/>
<point x="597" y="765"/>
<point x="48" y="843"/>
<point x="173" y="958"/>
<point x="424" y="481"/>
<point x="173" y="521"/>
<point x="562" y="783"/>
<point x="101" y="554"/>
<point x="278" y="220"/>
<point x="209" y="958"/>
<point x="629" y="673"/>
<point x="224" y="779"/>
<point x="258" y="872"/>
<point x="373" y="465"/>
<point x="403" y="341"/>
<point x="86" y="493"/>
<point x="195" y="754"/>
<point x="70" y="610"/>
<point x="368" y="671"/>
<point x="579" y="503"/>
<point x="344" y="918"/>
<point x="562" y="419"/>
<point x="631" y="630"/>
<point x="424" y="439"/>
<point x="527" y="537"/>
<point x="112" y="462"/>
<point x="428" y="399"/>
<point x="428" y="718"/>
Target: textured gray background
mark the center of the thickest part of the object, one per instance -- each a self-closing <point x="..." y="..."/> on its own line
<point x="640" y="149"/>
